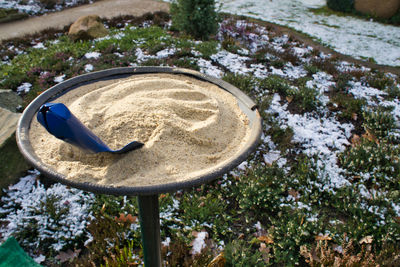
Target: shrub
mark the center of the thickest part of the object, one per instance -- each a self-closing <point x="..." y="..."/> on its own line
<point x="240" y="253"/>
<point x="275" y="84"/>
<point x="195" y="17"/>
<point x="379" y="123"/>
<point x="243" y="82"/>
<point x="49" y="4"/>
<point x="341" y="5"/>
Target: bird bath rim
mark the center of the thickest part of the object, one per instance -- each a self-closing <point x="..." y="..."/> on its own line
<point x="24" y="144"/>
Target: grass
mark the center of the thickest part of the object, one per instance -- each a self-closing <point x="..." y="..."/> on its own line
<point x="281" y="213"/>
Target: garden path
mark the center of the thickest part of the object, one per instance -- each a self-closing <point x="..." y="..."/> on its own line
<point x="105" y="9"/>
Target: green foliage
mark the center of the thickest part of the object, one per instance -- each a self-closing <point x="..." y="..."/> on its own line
<point x="122" y="256"/>
<point x="379" y="159"/>
<point x="229" y="44"/>
<point x="195" y="17"/>
<point x="113" y="239"/>
<point x="342" y="82"/>
<point x="261" y="192"/>
<point x="348" y="106"/>
<point x="311" y="69"/>
<point x="379" y="80"/>
<point x="278" y="63"/>
<point x="282" y="137"/>
<point x="341" y="5"/>
<point x="185" y="63"/>
<point x="379" y="123"/>
<point x="243" y="82"/>
<point x="275" y="84"/>
<point x="207" y="48"/>
<point x="240" y="253"/>
<point x="305" y="98"/>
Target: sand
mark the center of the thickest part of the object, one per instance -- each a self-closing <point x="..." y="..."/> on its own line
<point x="189" y="128"/>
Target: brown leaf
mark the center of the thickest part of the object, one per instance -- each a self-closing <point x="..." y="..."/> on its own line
<point x="294" y="194"/>
<point x="128" y="218"/>
<point x="397" y="219"/>
<point x="354" y="116"/>
<point x="241" y="236"/>
<point x="68" y="255"/>
<point x="266" y="239"/>
<point x="323" y="237"/>
<point x="218" y="261"/>
<point x="370" y="136"/>
<point x="131" y="219"/>
<point x="289" y="99"/>
<point x="355" y="140"/>
<point x="366" y="240"/>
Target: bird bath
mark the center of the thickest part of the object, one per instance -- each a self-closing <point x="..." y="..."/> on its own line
<point x="147" y="195"/>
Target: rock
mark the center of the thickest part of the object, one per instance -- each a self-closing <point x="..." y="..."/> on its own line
<point x="10" y="100"/>
<point x="13" y="164"/>
<point x="8" y="124"/>
<point x="86" y="28"/>
<point x="381" y="9"/>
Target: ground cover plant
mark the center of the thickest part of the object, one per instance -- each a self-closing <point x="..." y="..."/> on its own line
<point x="323" y="187"/>
<point x="18" y="9"/>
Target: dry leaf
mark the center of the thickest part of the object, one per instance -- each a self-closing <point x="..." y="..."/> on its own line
<point x="355" y="140"/>
<point x="67" y="256"/>
<point x="218" y="261"/>
<point x="128" y="218"/>
<point x="241" y="236"/>
<point x="370" y="136"/>
<point x="289" y="99"/>
<point x="294" y="194"/>
<point x="266" y="239"/>
<point x="354" y="116"/>
<point x="323" y="237"/>
<point x="366" y="240"/>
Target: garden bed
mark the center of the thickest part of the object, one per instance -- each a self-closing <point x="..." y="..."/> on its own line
<point x="323" y="183"/>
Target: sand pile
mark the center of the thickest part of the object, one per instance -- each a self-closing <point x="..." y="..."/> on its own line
<point x="189" y="127"/>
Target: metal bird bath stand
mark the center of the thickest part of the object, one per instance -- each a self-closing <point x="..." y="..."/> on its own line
<point x="147" y="195"/>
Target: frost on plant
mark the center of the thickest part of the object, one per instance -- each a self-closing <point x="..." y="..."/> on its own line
<point x="39" y="217"/>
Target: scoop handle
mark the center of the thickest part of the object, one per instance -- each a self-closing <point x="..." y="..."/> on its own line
<point x="60" y="122"/>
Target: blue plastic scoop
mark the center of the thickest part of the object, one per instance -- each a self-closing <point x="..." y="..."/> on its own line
<point x="60" y="122"/>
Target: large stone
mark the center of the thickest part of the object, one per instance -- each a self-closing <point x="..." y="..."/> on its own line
<point x="86" y="28"/>
<point x="13" y="164"/>
<point x="8" y="124"/>
<point x="10" y="100"/>
<point x="381" y="9"/>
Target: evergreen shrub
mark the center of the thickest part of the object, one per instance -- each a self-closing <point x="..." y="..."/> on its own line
<point x="198" y="18"/>
<point x="341" y="5"/>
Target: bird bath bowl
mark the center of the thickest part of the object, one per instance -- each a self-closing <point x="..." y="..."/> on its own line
<point x="147" y="194"/>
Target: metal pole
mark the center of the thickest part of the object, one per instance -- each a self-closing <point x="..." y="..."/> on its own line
<point x="149" y="217"/>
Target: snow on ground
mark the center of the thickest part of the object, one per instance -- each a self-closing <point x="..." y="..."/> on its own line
<point x="34" y="7"/>
<point x="71" y="207"/>
<point x="359" y="38"/>
<point x="348" y="35"/>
